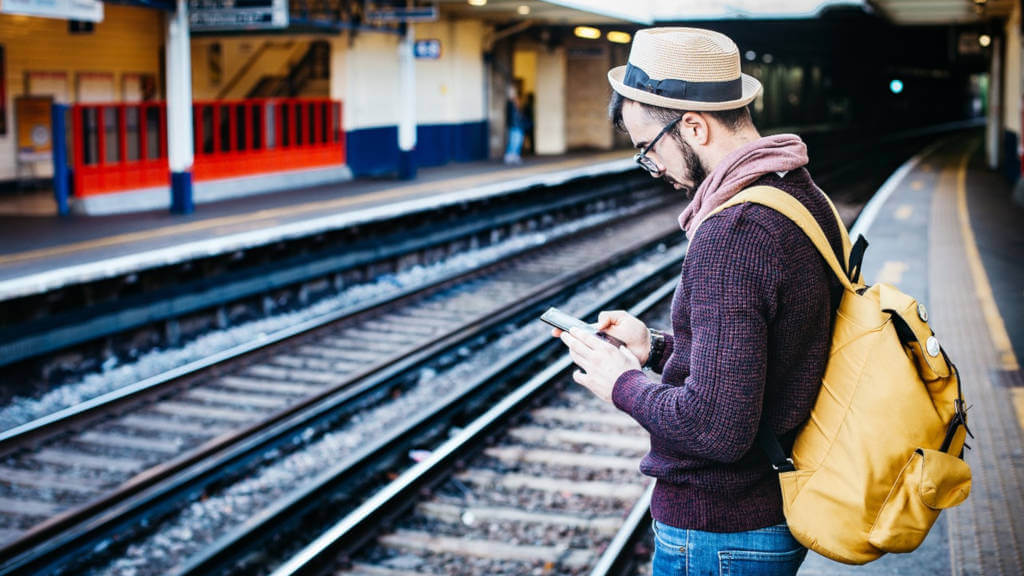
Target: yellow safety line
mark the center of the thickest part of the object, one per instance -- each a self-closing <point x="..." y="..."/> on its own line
<point x="983" y="290"/>
<point x="407" y="190"/>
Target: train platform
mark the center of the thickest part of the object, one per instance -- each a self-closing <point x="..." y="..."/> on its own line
<point x="43" y="253"/>
<point x="945" y="229"/>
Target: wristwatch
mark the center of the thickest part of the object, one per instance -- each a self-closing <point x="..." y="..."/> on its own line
<point x="654" y="357"/>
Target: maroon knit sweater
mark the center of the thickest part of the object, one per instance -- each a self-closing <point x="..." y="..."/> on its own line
<point x="751" y="324"/>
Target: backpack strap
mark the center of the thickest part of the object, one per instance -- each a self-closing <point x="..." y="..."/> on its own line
<point x="793" y="209"/>
<point x="844" y="236"/>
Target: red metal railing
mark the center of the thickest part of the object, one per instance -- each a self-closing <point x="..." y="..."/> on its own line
<point x="124" y="146"/>
<point x="118" y="147"/>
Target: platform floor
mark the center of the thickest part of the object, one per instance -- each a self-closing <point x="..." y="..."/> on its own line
<point x="951" y="236"/>
<point x="39" y="253"/>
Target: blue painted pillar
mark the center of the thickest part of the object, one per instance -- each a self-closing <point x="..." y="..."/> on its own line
<point x="407" y="103"/>
<point x="180" y="152"/>
<point x="61" y="174"/>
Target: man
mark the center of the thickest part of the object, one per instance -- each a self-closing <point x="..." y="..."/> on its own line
<point x="514" y="118"/>
<point x="751" y="316"/>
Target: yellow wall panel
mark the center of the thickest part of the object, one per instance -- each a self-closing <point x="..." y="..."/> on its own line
<point x="128" y="41"/>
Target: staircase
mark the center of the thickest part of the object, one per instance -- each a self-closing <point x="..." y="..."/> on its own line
<point x="309" y="77"/>
<point x="282" y="70"/>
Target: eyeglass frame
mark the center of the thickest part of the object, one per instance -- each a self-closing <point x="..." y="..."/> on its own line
<point x="641" y="156"/>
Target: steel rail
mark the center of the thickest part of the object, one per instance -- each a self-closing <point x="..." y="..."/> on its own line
<point x="17" y="436"/>
<point x="159" y="488"/>
<point x="68" y="329"/>
<point x="211" y="560"/>
<point x="359" y="525"/>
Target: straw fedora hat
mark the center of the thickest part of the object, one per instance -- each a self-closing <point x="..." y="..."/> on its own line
<point x="684" y="69"/>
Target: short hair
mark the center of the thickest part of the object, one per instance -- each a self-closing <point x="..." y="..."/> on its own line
<point x="733" y="119"/>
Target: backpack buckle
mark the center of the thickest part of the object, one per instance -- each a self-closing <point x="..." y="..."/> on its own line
<point x="787" y="466"/>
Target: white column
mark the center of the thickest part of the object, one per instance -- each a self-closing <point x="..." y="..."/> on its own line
<point x="994" y="125"/>
<point x="339" y="66"/>
<point x="1013" y="89"/>
<point x="179" y="109"/>
<point x="407" y="105"/>
<point x="549" y="107"/>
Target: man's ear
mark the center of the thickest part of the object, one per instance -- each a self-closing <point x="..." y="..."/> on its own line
<point x="695" y="129"/>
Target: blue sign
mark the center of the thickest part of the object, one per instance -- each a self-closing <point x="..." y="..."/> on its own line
<point x="427" y="49"/>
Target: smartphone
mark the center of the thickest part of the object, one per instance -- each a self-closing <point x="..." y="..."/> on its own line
<point x="563" y="321"/>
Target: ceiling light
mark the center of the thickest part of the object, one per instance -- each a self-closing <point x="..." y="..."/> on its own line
<point x="619" y="37"/>
<point x="750" y="55"/>
<point x="477" y="2"/>
<point x="587" y="32"/>
<point x="984" y="40"/>
<point x="523" y="10"/>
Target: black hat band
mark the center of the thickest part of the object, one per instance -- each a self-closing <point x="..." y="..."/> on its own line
<point x="721" y="91"/>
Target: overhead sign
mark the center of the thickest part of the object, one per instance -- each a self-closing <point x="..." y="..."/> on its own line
<point x="401" y="10"/>
<point x="87" y="10"/>
<point x="237" y="14"/>
<point x="427" y="49"/>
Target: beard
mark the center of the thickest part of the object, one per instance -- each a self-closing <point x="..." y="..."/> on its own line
<point x="694" y="168"/>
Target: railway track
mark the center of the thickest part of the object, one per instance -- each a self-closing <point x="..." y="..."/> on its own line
<point x="541" y="498"/>
<point x="544" y="482"/>
<point x="57" y="478"/>
<point x="70" y="485"/>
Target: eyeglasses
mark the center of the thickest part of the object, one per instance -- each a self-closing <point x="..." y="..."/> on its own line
<point x="641" y="156"/>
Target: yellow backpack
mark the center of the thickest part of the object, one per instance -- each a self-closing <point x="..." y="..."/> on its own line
<point x="881" y="454"/>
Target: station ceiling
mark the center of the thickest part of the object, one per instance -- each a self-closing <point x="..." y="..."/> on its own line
<point x="924" y="12"/>
<point x="541" y="12"/>
<point x="651" y="12"/>
<point x="644" y="12"/>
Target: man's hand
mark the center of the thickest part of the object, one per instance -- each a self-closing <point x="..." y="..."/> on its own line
<point x="627" y="329"/>
<point x="602" y="363"/>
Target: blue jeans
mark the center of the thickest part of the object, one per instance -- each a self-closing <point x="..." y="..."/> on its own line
<point x="515" y="143"/>
<point x="770" y="551"/>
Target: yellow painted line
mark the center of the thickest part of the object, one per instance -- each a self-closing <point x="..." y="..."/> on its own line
<point x="983" y="289"/>
<point x="460" y="183"/>
<point x="1018" y="404"/>
<point x="904" y="212"/>
<point x="891" y="272"/>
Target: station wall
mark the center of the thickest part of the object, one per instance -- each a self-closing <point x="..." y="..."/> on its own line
<point x="587" y="93"/>
<point x="450" y="108"/>
<point x="571" y="90"/>
<point x="43" y="58"/>
<point x="364" y="75"/>
<point x="99" y="66"/>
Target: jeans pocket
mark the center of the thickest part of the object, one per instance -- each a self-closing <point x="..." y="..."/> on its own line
<point x="669" y="551"/>
<point x="747" y="562"/>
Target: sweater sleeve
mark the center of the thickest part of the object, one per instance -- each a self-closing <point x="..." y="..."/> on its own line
<point x="730" y="281"/>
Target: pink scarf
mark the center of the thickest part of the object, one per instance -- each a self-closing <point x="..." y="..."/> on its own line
<point x="740" y="168"/>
